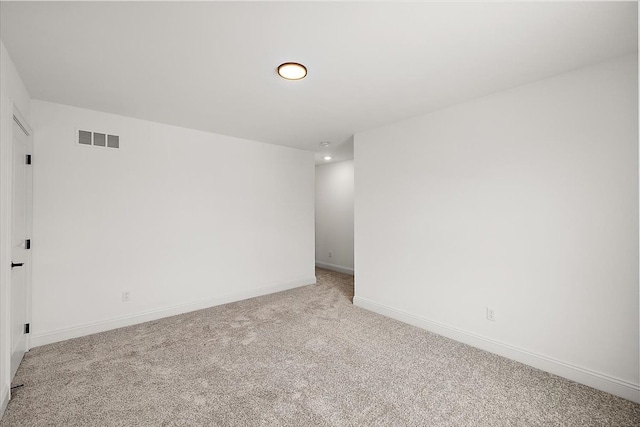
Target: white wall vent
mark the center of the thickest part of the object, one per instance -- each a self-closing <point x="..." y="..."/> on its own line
<point x="97" y="139"/>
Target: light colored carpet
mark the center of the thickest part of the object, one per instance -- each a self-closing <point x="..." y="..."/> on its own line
<point x="305" y="357"/>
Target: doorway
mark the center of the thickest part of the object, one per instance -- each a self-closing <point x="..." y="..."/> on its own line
<point x="334" y="212"/>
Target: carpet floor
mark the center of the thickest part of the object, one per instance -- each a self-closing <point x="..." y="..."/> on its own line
<point x="304" y="357"/>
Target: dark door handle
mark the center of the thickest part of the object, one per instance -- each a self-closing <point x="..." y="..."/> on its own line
<point x="17" y="264"/>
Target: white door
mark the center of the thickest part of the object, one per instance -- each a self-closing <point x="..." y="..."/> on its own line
<point x="20" y="255"/>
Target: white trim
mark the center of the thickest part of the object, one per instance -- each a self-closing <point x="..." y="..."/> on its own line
<point x="106" y="325"/>
<point x="22" y="122"/>
<point x="584" y="376"/>
<point x="4" y="403"/>
<point x="334" y="267"/>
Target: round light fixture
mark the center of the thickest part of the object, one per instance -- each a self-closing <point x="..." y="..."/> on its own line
<point x="327" y="157"/>
<point x="292" y="71"/>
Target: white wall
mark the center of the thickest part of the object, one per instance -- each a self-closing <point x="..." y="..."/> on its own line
<point x="12" y="93"/>
<point x="525" y="201"/>
<point x="181" y="219"/>
<point x="334" y="216"/>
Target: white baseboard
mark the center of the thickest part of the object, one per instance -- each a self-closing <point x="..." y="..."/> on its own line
<point x="106" y="325"/>
<point x="580" y="375"/>
<point x="5" y="401"/>
<point x="334" y="267"/>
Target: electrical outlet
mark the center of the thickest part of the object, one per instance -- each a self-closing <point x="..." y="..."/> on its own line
<point x="125" y="296"/>
<point x="491" y="314"/>
<point x="330" y="254"/>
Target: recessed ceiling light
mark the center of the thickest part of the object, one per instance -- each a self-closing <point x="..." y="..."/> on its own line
<point x="324" y="144"/>
<point x="327" y="157"/>
<point x="292" y="71"/>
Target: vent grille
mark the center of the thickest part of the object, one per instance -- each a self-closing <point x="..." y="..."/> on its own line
<point x="98" y="139"/>
<point x="113" y="141"/>
<point x="84" y="137"/>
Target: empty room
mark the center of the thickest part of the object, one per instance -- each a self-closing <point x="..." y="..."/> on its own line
<point x="319" y="213"/>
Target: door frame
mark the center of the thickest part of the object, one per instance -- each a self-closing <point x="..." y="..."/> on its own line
<point x="8" y="110"/>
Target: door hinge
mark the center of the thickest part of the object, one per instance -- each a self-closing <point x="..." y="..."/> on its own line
<point x="26" y="328"/>
<point x="27" y="244"/>
<point x="28" y="159"/>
